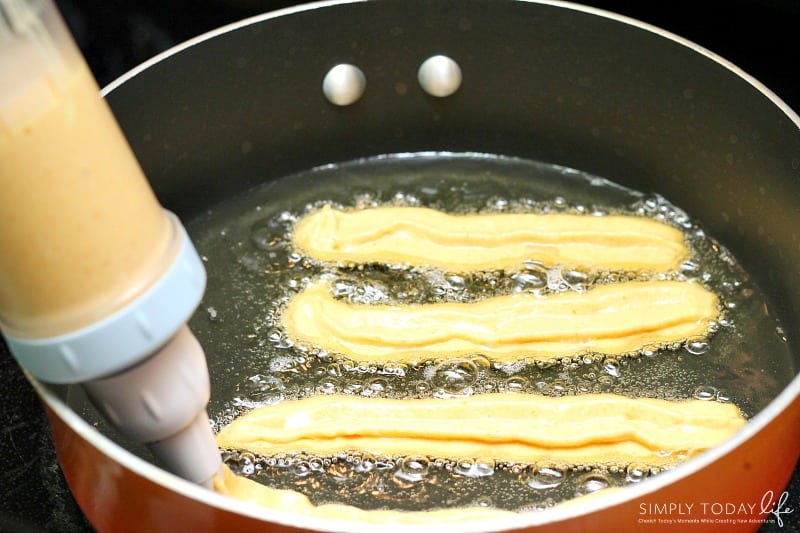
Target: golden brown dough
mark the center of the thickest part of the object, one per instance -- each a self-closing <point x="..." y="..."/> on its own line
<point x="425" y="237"/>
<point x="586" y="429"/>
<point x="610" y="319"/>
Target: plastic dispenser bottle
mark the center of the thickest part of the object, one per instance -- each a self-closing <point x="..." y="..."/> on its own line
<point x="97" y="280"/>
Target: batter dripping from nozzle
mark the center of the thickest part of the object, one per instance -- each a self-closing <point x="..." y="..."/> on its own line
<point x="97" y="281"/>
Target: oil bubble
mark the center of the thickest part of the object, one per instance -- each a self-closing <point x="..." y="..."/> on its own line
<point x="454" y="377"/>
<point x="412" y="469"/>
<point x="365" y="463"/>
<point x="635" y="472"/>
<point x="592" y="482"/>
<point x="605" y="380"/>
<point x="611" y="366"/>
<point x="456" y="283"/>
<point x="705" y="392"/>
<point x="282" y="363"/>
<point x="247" y="463"/>
<point x="576" y="279"/>
<point x="375" y="387"/>
<point x="557" y="387"/>
<point x="264" y="389"/>
<point x="364" y="200"/>
<point x="300" y="468"/>
<point x="439" y="289"/>
<point x="490" y="385"/>
<point x="287" y="216"/>
<point x="368" y="294"/>
<point x="475" y="468"/>
<point x="342" y="290"/>
<point x="353" y="387"/>
<point x="544" y="477"/>
<point x="327" y="387"/>
<point x="512" y="368"/>
<point x="280" y="340"/>
<point x="293" y="259"/>
<point x="481" y="362"/>
<point x="394" y="369"/>
<point x="516" y="384"/>
<point x="500" y="204"/>
<point x="422" y="387"/>
<point x="649" y="204"/>
<point x="317" y="464"/>
<point x="697" y="345"/>
<point x="516" y="468"/>
<point x="528" y="280"/>
<point x="649" y="351"/>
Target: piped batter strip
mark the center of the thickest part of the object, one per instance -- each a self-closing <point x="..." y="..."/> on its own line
<point x="419" y="236"/>
<point x="295" y="503"/>
<point x="612" y="319"/>
<point x="586" y="429"/>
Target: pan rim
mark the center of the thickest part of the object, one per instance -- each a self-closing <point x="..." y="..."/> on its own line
<point x="320" y="4"/>
<point x="550" y="517"/>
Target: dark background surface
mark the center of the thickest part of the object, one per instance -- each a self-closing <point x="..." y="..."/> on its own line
<point x="760" y="36"/>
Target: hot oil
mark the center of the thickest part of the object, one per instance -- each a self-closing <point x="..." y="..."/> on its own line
<point x="253" y="271"/>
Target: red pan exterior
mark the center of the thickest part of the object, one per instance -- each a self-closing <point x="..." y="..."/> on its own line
<point x="116" y="498"/>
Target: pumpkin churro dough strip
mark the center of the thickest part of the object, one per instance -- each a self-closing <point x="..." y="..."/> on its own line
<point x="296" y="503"/>
<point x="420" y="236"/>
<point x="293" y="502"/>
<point x="610" y="319"/>
<point x="585" y="429"/>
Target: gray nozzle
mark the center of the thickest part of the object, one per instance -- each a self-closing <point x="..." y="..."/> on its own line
<point x="161" y="402"/>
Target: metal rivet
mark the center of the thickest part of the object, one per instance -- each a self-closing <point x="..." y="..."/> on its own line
<point x="439" y="76"/>
<point x="344" y="84"/>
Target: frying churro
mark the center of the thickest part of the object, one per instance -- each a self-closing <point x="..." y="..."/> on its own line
<point x="419" y="236"/>
<point x="609" y="319"/>
<point x="296" y="503"/>
<point x="585" y="429"/>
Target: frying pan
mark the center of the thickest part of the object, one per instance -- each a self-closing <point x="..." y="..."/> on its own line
<point x="546" y="81"/>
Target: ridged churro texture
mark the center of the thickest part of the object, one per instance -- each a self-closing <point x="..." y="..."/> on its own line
<point x="585" y="429"/>
<point x="419" y="236"/>
<point x="609" y="319"/>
